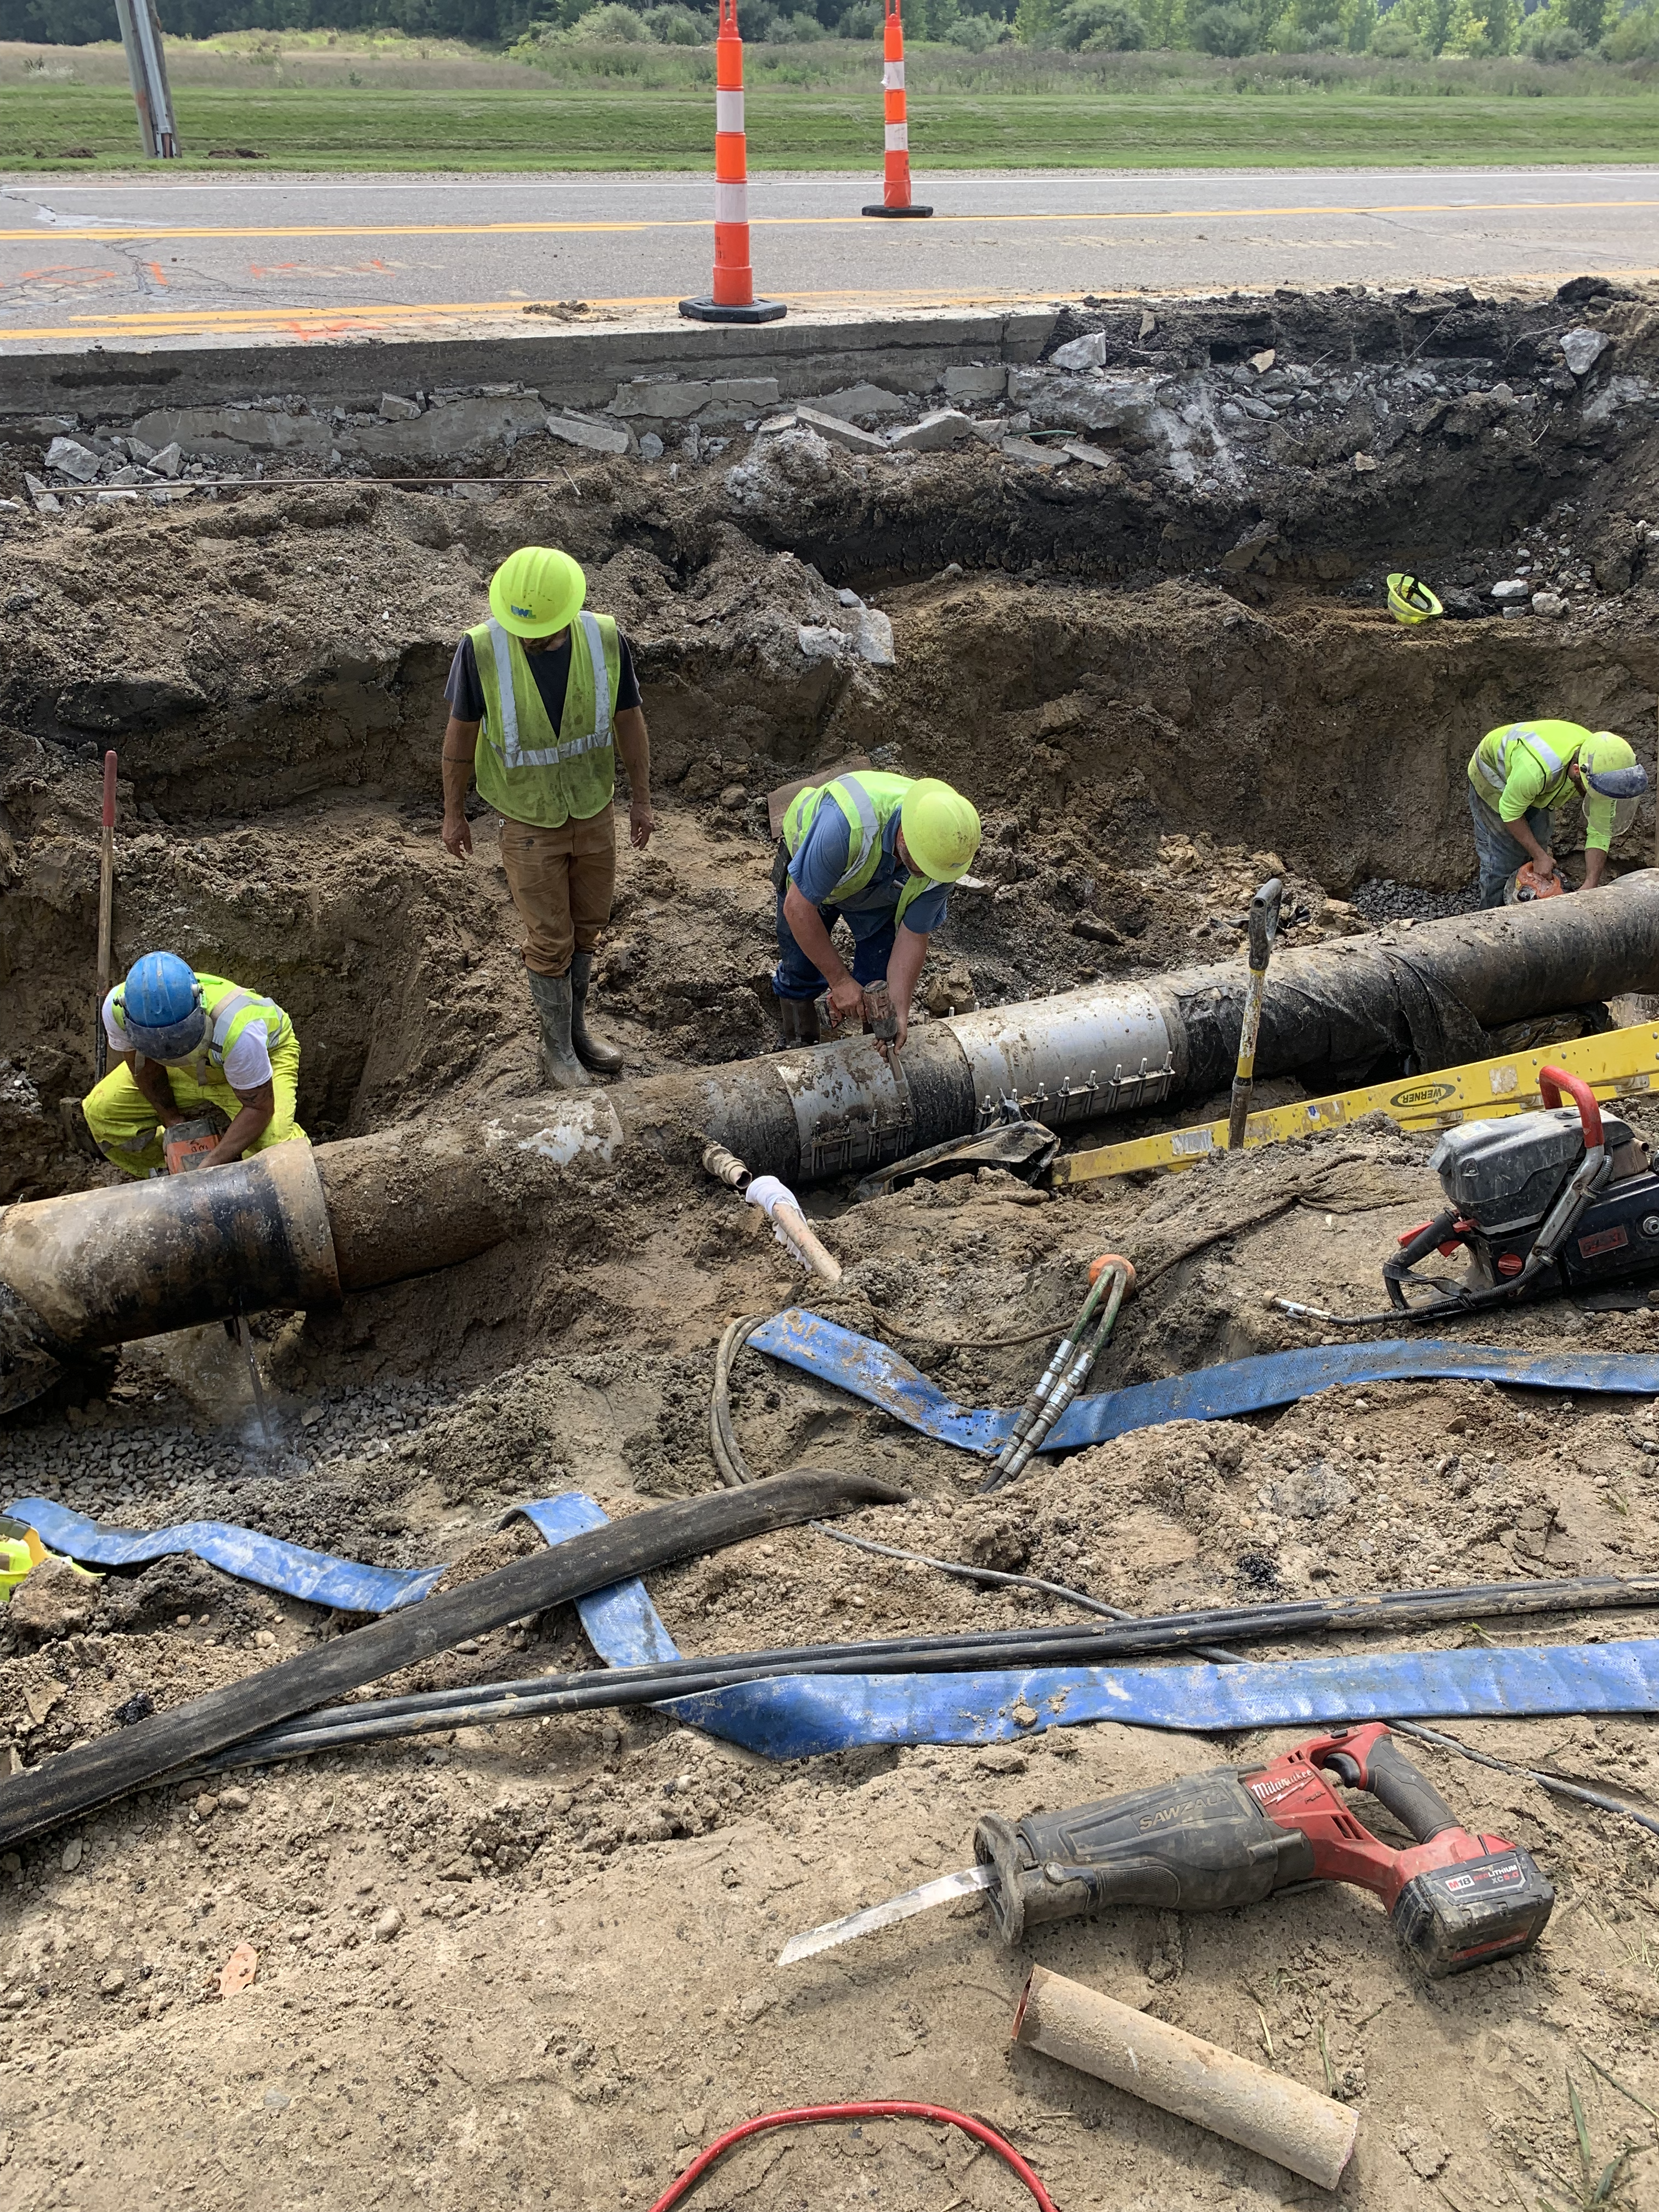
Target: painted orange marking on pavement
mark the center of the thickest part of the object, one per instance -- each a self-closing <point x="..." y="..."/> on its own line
<point x="158" y="276"/>
<point x="831" y="221"/>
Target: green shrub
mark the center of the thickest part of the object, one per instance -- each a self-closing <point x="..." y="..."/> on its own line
<point x="1101" y="27"/>
<point x="1230" y="32"/>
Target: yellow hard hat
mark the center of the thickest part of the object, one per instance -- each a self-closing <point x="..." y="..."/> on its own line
<point x="1609" y="767"/>
<point x="536" y="591"/>
<point x="1411" y="601"/>
<point x="941" y="830"/>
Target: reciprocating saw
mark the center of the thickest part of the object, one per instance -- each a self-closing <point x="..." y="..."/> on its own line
<point x="1235" y="1835"/>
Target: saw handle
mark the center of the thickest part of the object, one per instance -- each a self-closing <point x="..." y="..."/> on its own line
<point x="1553" y="1081"/>
<point x="1384" y="1770"/>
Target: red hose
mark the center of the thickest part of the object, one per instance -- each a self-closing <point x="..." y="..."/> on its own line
<point x="884" y="2109"/>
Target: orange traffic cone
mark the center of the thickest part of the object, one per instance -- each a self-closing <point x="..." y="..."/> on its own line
<point x="733" y="299"/>
<point x="896" y="180"/>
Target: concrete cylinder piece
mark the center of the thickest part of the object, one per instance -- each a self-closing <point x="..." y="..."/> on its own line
<point x="1296" y="2127"/>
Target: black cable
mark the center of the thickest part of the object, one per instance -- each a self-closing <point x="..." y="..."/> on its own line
<point x="1079" y="1643"/>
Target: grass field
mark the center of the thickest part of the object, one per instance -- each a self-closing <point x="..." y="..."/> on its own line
<point x="815" y="107"/>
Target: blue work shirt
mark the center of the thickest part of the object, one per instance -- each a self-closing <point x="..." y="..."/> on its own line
<point x="820" y="862"/>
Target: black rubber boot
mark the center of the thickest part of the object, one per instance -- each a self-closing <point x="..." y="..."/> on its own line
<point x="602" y="1058"/>
<point x="798" y="1019"/>
<point x="72" y="1115"/>
<point x="560" y="1070"/>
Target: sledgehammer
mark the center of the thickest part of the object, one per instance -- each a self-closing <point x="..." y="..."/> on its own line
<point x="1264" y="924"/>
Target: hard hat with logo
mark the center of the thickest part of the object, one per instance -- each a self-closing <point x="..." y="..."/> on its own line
<point x="537" y="590"/>
<point x="1411" y="601"/>
<point x="160" y="1007"/>
<point x="1610" y="767"/>
<point x="941" y="830"/>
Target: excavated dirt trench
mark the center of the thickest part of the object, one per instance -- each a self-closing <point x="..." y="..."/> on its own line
<point x="1157" y="692"/>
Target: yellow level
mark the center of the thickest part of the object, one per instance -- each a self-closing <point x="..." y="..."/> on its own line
<point x="1619" y="1064"/>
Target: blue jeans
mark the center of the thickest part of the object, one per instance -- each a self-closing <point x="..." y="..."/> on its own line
<point x="1500" y="853"/>
<point x="873" y="930"/>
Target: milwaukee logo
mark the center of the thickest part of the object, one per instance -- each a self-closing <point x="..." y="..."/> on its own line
<point x="1266" y="1787"/>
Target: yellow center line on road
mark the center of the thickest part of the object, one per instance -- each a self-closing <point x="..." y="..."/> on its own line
<point x="114" y="235"/>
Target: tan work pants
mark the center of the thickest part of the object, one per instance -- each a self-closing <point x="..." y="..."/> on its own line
<point x="561" y="881"/>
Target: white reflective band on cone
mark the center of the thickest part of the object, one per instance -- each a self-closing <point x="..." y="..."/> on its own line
<point x="898" y="137"/>
<point x="892" y="77"/>
<point x="731" y="203"/>
<point x="728" y="111"/>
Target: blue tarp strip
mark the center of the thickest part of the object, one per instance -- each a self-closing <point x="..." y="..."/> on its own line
<point x="317" y="1577"/>
<point x="803" y="1715"/>
<point x="872" y="1372"/>
<point x="620" y="1623"/>
<point x="799" y="1717"/>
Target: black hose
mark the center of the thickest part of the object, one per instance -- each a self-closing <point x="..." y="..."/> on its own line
<point x="1079" y="1643"/>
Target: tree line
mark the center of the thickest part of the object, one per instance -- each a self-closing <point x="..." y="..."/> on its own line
<point x="1544" y="30"/>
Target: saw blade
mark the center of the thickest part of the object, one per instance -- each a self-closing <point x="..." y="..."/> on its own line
<point x="939" y="1890"/>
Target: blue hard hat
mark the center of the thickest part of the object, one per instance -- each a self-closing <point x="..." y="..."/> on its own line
<point x="160" y="1006"/>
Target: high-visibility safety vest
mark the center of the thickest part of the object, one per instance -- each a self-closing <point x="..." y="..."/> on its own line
<point x="229" y="1008"/>
<point x="523" y="767"/>
<point x="1549" y="748"/>
<point x="869" y="800"/>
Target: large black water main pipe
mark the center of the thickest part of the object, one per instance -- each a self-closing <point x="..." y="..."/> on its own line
<point x="294" y="1227"/>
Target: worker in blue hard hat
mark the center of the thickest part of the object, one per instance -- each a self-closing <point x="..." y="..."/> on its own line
<point x="187" y="1042"/>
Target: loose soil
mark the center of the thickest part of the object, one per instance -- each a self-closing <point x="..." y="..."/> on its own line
<point x="533" y="1964"/>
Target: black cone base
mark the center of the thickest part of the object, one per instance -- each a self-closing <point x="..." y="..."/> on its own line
<point x="898" y="212"/>
<point x="757" y="311"/>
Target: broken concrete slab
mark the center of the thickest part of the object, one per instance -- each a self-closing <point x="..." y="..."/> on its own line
<point x="875" y="638"/>
<point x="1086" y="352"/>
<point x="863" y="399"/>
<point x="168" y="461"/>
<point x="595" y="437"/>
<point x="935" y="434"/>
<point x="1080" y="449"/>
<point x="1028" y="451"/>
<point x="395" y="410"/>
<point x="977" y="381"/>
<point x="228" y="432"/>
<point x="71" y="459"/>
<point x="840" y="433"/>
<point x="818" y="641"/>
<point x="675" y="399"/>
<point x="1123" y="400"/>
<point x="1582" y="349"/>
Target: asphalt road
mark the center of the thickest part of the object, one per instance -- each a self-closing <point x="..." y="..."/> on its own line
<point x="111" y="260"/>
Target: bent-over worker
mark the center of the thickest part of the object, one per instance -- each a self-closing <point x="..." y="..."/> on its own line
<point x="1520" y="773"/>
<point x="880" y="850"/>
<point x="188" y="1042"/>
<point x="541" y="698"/>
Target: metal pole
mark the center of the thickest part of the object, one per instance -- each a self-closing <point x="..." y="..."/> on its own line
<point x="140" y="37"/>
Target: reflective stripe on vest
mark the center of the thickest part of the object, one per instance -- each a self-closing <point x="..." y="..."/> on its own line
<point x="549" y="756"/>
<point x="1553" y="767"/>
<point x="859" y="808"/>
<point x="226" y="1023"/>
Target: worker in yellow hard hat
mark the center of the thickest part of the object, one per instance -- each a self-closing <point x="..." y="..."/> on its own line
<point x="880" y="851"/>
<point x="542" y="696"/>
<point x="1520" y="773"/>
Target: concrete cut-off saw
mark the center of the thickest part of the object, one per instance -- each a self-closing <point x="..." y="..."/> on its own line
<point x="1560" y="1201"/>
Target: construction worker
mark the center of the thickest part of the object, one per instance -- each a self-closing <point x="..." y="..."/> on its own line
<point x="1520" y="773"/>
<point x="879" y="850"/>
<point x="541" y="697"/>
<point x="187" y="1043"/>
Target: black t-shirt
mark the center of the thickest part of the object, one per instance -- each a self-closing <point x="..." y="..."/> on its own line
<point x="552" y="673"/>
